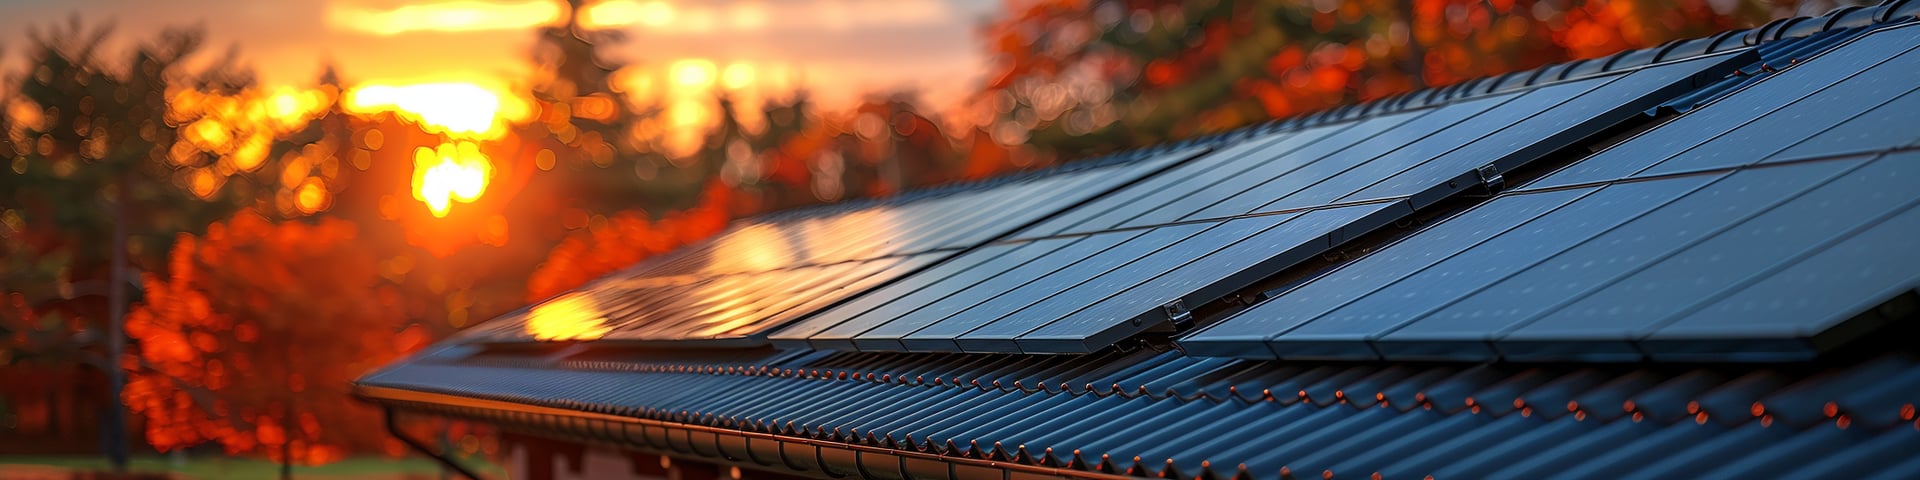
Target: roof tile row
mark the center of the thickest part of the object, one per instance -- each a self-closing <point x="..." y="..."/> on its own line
<point x="1160" y="412"/>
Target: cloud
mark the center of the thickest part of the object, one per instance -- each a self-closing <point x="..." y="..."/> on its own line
<point x="451" y="16"/>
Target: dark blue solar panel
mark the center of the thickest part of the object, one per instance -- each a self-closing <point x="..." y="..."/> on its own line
<point x="1228" y="162"/>
<point x="947" y="298"/>
<point x="1629" y="307"/>
<point x="916" y="290"/>
<point x="1288" y="174"/>
<point x="1806" y="297"/>
<point x="1202" y="182"/>
<point x="1885" y="127"/>
<point x="1348" y="330"/>
<point x="1181" y="241"/>
<point x="1768" y="134"/>
<point x="1594" y="276"/>
<point x="1544" y="101"/>
<point x="1538" y="284"/>
<point x="877" y="321"/>
<point x="1802" y="87"/>
<point x="999" y="335"/>
<point x="1136" y="306"/>
<point x="1577" y="118"/>
<point x="765" y="272"/>
<point x="1247" y="334"/>
<point x="1080" y="264"/>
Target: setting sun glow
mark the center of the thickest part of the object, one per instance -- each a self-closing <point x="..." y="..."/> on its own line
<point x="617" y="13"/>
<point x="453" y="172"/>
<point x="454" y="16"/>
<point x="454" y="108"/>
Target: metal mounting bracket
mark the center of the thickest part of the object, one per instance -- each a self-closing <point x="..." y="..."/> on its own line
<point x="1490" y="178"/>
<point x="1178" y="314"/>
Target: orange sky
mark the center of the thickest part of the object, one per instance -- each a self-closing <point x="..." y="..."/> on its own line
<point x="837" y="48"/>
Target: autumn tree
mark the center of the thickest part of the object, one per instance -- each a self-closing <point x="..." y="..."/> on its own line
<point x="96" y="176"/>
<point x="254" y="335"/>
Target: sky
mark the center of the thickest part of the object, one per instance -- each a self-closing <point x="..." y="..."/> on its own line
<point x="837" y="49"/>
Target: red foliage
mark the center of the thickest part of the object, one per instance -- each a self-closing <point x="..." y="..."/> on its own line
<point x="254" y="336"/>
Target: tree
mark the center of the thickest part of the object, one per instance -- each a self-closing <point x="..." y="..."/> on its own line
<point x="254" y="336"/>
<point x="101" y="181"/>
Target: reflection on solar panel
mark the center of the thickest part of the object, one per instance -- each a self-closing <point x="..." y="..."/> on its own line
<point x="765" y="272"/>
<point x="1134" y="260"/>
<point x="1732" y="233"/>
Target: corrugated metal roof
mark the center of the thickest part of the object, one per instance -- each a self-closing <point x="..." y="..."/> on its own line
<point x="1163" y="413"/>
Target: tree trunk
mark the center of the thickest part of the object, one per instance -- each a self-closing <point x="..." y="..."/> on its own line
<point x="286" y="418"/>
<point x="116" y="435"/>
<point x="1415" y="63"/>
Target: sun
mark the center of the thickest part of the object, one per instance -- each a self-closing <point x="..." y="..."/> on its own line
<point x="453" y="172"/>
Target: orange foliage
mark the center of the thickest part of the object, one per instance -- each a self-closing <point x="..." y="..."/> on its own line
<point x="254" y="336"/>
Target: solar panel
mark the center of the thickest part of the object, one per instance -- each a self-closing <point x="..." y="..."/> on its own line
<point x="1137" y="259"/>
<point x="1785" y="102"/>
<point x="1801" y="223"/>
<point x="765" y="272"/>
<point x="1689" y="261"/>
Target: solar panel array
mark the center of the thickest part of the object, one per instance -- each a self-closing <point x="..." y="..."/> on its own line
<point x="1680" y="228"/>
<point x="761" y="273"/>
<point x="1136" y="259"/>
<point x="1773" y="224"/>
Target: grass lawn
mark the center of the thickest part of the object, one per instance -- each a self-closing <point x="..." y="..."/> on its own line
<point x="238" y="468"/>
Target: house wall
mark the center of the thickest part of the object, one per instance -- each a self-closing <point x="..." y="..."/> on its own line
<point x="51" y="410"/>
<point x="537" y="458"/>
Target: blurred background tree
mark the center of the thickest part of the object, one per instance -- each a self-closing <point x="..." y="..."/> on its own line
<point x="97" y="180"/>
<point x="228" y="341"/>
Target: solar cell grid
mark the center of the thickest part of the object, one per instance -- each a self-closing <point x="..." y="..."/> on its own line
<point x="1137" y="258"/>
<point x="1665" y="263"/>
<point x="762" y="273"/>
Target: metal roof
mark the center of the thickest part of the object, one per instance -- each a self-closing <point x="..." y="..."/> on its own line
<point x="1176" y="416"/>
<point x="1137" y="404"/>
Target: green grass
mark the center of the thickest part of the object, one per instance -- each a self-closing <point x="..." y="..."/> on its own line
<point x="248" y="468"/>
